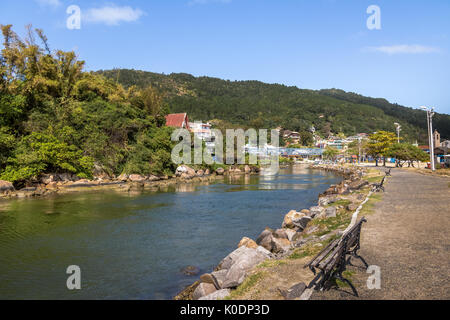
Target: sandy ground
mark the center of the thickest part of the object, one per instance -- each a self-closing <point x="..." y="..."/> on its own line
<point x="407" y="236"/>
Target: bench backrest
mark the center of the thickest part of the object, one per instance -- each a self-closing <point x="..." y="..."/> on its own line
<point x="328" y="258"/>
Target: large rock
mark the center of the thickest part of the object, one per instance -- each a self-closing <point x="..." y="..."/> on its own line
<point x="280" y="234"/>
<point x="302" y="222"/>
<point x="100" y="173"/>
<point x="330" y="212"/>
<point x="203" y="290"/>
<point x="200" y="173"/>
<point x="280" y="245"/>
<point x="294" y="292"/>
<point x="249" y="243"/>
<point x="123" y="177"/>
<point x="220" y="171"/>
<point x="6" y="186"/>
<point x="290" y="234"/>
<point x="67" y="177"/>
<point x="243" y="263"/>
<point x="230" y="259"/>
<point x="290" y="217"/>
<point x="218" y="295"/>
<point x="136" y="178"/>
<point x="352" y="207"/>
<point x="207" y="278"/>
<point x="247" y="169"/>
<point x="265" y="239"/>
<point x="48" y="178"/>
<point x="153" y="178"/>
<point x="219" y="277"/>
<point x="185" y="172"/>
<point x="316" y="211"/>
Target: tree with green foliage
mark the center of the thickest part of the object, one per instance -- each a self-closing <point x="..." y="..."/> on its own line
<point x="330" y="153"/>
<point x="406" y="152"/>
<point x="306" y="138"/>
<point x="56" y="118"/>
<point x="379" y="145"/>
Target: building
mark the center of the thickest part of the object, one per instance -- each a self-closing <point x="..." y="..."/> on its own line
<point x="178" y="120"/>
<point x="436" y="139"/>
<point x="441" y="155"/>
<point x="292" y="136"/>
<point x="445" y="143"/>
<point x="201" y="130"/>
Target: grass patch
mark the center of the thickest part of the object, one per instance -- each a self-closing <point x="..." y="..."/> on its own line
<point x="367" y="209"/>
<point x="245" y="286"/>
<point x="271" y="263"/>
<point x="340" y="202"/>
<point x="374" y="179"/>
<point x="329" y="224"/>
<point x="311" y="249"/>
<point x="306" y="251"/>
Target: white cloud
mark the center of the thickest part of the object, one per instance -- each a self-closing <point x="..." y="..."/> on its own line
<point x="404" y="49"/>
<point x="51" y="3"/>
<point x="112" y="15"/>
<point x="195" y="2"/>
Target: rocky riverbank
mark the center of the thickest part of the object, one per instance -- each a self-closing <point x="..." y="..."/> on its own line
<point x="300" y="229"/>
<point x="50" y="184"/>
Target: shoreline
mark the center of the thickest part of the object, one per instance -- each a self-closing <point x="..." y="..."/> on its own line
<point x="274" y="245"/>
<point x="54" y="184"/>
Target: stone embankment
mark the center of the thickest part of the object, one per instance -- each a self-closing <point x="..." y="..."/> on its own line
<point x="54" y="183"/>
<point x="298" y="229"/>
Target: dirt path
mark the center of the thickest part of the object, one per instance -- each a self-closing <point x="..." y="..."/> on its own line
<point x="407" y="236"/>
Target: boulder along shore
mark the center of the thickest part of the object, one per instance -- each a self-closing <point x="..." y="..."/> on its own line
<point x="299" y="229"/>
<point x="62" y="183"/>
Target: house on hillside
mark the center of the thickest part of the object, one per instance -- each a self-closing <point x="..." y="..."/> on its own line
<point x="178" y="120"/>
<point x="201" y="130"/>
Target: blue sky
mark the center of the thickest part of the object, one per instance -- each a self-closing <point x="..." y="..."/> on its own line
<point x="311" y="44"/>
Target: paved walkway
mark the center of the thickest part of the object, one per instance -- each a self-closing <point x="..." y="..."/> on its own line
<point x="407" y="236"/>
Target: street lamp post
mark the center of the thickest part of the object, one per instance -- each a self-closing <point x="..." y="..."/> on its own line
<point x="399" y="128"/>
<point x="430" y="114"/>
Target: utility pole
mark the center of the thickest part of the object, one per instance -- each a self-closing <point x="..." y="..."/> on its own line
<point x="430" y="114"/>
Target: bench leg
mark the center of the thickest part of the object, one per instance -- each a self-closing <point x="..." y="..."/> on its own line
<point x="340" y="277"/>
<point x="362" y="259"/>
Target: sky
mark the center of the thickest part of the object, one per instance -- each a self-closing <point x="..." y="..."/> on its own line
<point x="312" y="44"/>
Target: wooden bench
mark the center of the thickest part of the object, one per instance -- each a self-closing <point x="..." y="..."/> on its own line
<point x="377" y="187"/>
<point x="333" y="259"/>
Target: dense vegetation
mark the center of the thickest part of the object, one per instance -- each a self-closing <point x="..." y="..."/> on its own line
<point x="260" y="105"/>
<point x="56" y="118"/>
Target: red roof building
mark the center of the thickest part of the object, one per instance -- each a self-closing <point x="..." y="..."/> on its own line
<point x="178" y="120"/>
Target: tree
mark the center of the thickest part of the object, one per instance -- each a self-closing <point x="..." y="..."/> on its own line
<point x="330" y="153"/>
<point x="57" y="118"/>
<point x="379" y="144"/>
<point x="306" y="138"/>
<point x="406" y="152"/>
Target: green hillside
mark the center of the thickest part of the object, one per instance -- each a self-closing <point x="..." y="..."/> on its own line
<point x="261" y="105"/>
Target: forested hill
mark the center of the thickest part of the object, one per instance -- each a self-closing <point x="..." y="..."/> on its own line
<point x="261" y="105"/>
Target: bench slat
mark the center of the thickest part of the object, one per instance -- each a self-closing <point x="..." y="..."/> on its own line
<point x="322" y="254"/>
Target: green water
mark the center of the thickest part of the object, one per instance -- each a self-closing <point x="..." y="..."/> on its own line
<point x="133" y="246"/>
